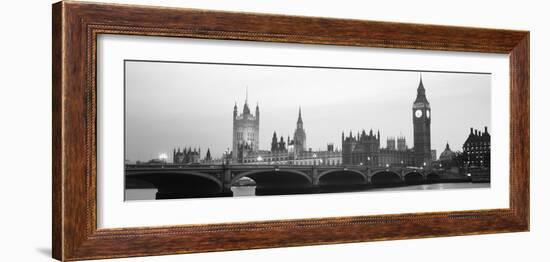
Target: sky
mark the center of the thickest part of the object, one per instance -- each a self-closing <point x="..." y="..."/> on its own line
<point x="171" y="105"/>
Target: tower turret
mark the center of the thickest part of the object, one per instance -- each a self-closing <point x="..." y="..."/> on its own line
<point x="208" y="156"/>
<point x="257" y="111"/>
<point x="246" y="109"/>
<point x="246" y="129"/>
<point x="300" y="123"/>
<point x="421" y="113"/>
<point x="300" y="134"/>
<point x="274" y="145"/>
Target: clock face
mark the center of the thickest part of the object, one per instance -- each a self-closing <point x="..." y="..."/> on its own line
<point x="418" y="113"/>
<point x="428" y="113"/>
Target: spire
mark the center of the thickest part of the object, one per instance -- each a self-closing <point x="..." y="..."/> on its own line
<point x="421" y="92"/>
<point x="299" y="123"/>
<point x="246" y="109"/>
<point x="447" y="147"/>
<point x="274" y="145"/>
<point x="421" y="86"/>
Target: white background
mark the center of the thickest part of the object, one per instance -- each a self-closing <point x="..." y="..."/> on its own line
<point x="25" y="145"/>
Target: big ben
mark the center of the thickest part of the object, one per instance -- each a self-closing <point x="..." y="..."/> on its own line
<point x="421" y="121"/>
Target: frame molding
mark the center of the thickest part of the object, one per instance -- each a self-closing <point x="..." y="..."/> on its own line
<point x="75" y="27"/>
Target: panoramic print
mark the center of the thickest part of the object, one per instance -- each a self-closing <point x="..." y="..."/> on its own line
<point x="197" y="130"/>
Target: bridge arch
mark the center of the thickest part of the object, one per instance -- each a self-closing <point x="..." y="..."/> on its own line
<point x="433" y="177"/>
<point x="413" y="177"/>
<point x="210" y="177"/>
<point x="333" y="172"/>
<point x="385" y="177"/>
<point x="257" y="172"/>
<point x="171" y="184"/>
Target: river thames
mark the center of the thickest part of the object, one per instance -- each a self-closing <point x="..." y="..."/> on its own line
<point x="150" y="193"/>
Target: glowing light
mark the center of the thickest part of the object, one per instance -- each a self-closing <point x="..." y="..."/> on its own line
<point x="259" y="158"/>
<point x="163" y="156"/>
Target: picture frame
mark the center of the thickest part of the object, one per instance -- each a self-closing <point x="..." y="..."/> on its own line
<point x="75" y="29"/>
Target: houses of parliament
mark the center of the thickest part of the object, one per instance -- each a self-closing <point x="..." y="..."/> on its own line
<point x="364" y="148"/>
<point x="360" y="149"/>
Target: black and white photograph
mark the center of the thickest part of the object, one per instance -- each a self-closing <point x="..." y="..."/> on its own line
<point x="199" y="130"/>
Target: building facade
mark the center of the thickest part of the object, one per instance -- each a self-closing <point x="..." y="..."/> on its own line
<point x="279" y="145"/>
<point x="364" y="148"/>
<point x="477" y="149"/>
<point x="187" y="156"/>
<point x="246" y="131"/>
<point x="330" y="156"/>
<point x="421" y="114"/>
<point x="290" y="152"/>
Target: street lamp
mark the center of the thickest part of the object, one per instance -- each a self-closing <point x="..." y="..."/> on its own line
<point x="314" y="159"/>
<point x="226" y="156"/>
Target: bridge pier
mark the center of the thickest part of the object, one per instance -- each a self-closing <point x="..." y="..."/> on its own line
<point x="315" y="178"/>
<point x="226" y="181"/>
<point x="369" y="176"/>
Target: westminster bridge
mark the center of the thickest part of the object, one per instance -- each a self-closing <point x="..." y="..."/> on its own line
<point x="198" y="180"/>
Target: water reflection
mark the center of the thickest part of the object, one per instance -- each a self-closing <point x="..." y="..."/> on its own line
<point x="150" y="193"/>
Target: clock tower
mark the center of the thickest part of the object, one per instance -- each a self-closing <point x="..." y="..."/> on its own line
<point x="421" y="121"/>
